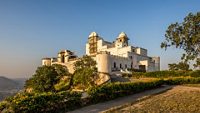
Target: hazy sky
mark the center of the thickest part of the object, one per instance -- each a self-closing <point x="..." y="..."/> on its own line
<point x="33" y="29"/>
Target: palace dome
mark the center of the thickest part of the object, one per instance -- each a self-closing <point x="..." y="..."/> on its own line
<point x="93" y="34"/>
<point x="122" y="34"/>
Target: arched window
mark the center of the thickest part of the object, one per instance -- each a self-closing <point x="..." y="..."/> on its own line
<point x="114" y="64"/>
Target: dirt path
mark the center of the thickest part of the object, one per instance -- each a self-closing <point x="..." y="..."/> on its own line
<point x="96" y="108"/>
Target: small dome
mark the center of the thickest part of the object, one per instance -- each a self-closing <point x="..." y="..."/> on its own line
<point x="93" y="34"/>
<point x="122" y="34"/>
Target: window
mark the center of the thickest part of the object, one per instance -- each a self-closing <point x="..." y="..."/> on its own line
<point x="63" y="58"/>
<point x="131" y="65"/>
<point x="125" y="65"/>
<point x="121" y="66"/>
<point x="114" y="65"/>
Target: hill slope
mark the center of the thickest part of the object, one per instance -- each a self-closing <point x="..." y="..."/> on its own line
<point x="7" y="84"/>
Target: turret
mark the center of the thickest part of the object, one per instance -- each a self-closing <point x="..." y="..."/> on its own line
<point x="103" y="62"/>
<point x="122" y="40"/>
<point x="92" y="40"/>
<point x="157" y="63"/>
<point x="65" y="55"/>
<point x="46" y="61"/>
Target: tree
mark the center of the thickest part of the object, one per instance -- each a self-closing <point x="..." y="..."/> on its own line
<point x="64" y="78"/>
<point x="63" y="84"/>
<point x="172" y="67"/>
<point x="180" y="66"/>
<point x="186" y="36"/>
<point x="61" y="70"/>
<point x="85" y="62"/>
<point x="43" y="80"/>
<point x="47" y="78"/>
<point x="84" y="76"/>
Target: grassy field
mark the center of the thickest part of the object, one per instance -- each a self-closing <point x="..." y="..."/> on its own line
<point x="180" y="99"/>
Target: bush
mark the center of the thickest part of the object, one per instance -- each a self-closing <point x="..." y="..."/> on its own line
<point x="182" y="80"/>
<point x="114" y="90"/>
<point x="63" y="84"/>
<point x="43" y="102"/>
<point x="166" y="74"/>
<point x="3" y="104"/>
<point x="195" y="73"/>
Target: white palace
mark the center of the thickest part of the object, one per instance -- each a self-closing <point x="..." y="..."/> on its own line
<point x="111" y="57"/>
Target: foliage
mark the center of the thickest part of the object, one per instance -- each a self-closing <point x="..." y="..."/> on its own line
<point x="63" y="84"/>
<point x="194" y="73"/>
<point x="166" y="74"/>
<point x="46" y="77"/>
<point x="3" y="105"/>
<point x="43" y="80"/>
<point x="42" y="102"/>
<point x="84" y="78"/>
<point x="85" y="73"/>
<point x="85" y="62"/>
<point x="114" y="90"/>
<point x="186" y="36"/>
<point x="180" y="66"/>
<point x="182" y="80"/>
<point x="65" y="100"/>
<point x="61" y="70"/>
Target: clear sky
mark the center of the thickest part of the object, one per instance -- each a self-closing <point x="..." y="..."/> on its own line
<point x="33" y="29"/>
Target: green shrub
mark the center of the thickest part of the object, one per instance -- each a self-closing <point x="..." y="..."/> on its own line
<point x="63" y="84"/>
<point x="3" y="104"/>
<point x="166" y="74"/>
<point x="183" y="80"/>
<point x="44" y="102"/>
<point x="114" y="90"/>
<point x="195" y="73"/>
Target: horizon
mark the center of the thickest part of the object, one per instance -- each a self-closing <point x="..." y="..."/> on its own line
<point x="31" y="30"/>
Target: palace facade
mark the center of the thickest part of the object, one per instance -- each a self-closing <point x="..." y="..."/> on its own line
<point x="111" y="57"/>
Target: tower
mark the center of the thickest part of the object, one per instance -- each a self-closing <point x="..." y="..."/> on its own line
<point x="92" y="40"/>
<point x="46" y="61"/>
<point x="65" y="55"/>
<point x="122" y="40"/>
<point x="157" y="63"/>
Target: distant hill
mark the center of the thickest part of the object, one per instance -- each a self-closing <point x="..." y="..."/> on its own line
<point x="10" y="86"/>
<point x="7" y="84"/>
<point x="20" y="81"/>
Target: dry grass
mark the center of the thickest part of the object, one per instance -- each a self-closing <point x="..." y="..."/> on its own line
<point x="180" y="99"/>
<point x="142" y="79"/>
<point x="192" y="85"/>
